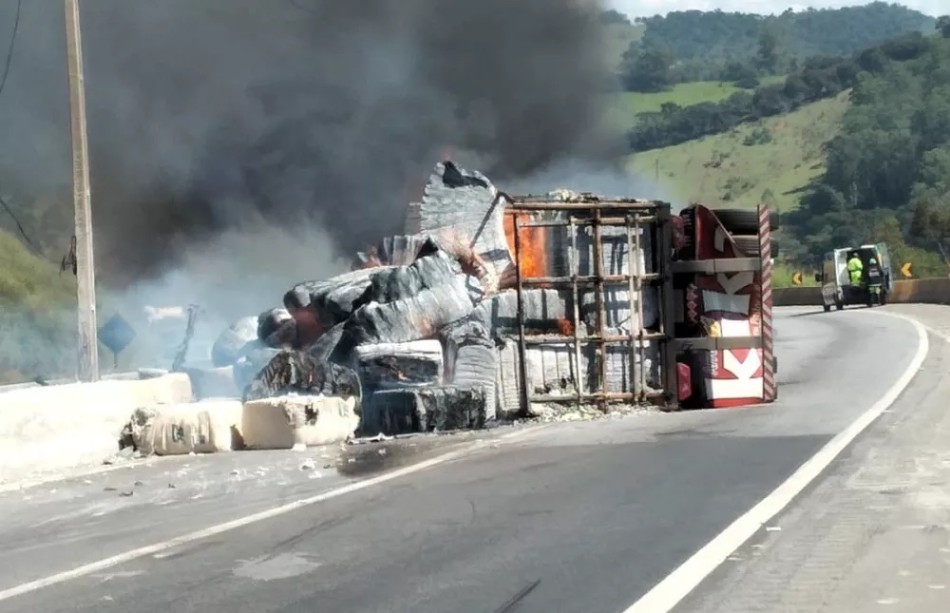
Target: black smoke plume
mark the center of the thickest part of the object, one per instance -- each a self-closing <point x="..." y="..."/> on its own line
<point x="211" y="116"/>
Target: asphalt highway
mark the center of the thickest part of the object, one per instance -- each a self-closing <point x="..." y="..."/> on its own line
<point x="584" y="516"/>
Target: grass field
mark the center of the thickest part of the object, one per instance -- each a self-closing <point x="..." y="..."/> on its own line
<point x="36" y="319"/>
<point x="27" y="279"/>
<point x="732" y="170"/>
<point x="624" y="107"/>
<point x="684" y="94"/>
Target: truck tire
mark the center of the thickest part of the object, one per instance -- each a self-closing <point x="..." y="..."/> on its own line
<point x="750" y="245"/>
<point x="740" y="221"/>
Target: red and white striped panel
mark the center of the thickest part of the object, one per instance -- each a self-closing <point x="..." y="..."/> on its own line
<point x="730" y="305"/>
<point x="769" y="386"/>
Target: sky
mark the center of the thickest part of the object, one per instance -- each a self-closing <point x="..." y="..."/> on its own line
<point x="648" y="8"/>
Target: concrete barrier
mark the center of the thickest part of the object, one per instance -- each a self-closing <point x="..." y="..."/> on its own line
<point x="118" y="376"/>
<point x="920" y="291"/>
<point x="796" y="296"/>
<point x="45" y="430"/>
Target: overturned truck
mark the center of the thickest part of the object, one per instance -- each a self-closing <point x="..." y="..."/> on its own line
<point x="491" y="305"/>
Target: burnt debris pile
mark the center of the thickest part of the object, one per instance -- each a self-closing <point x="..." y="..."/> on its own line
<point x="422" y="330"/>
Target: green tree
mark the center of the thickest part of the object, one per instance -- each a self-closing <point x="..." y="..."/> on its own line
<point x="943" y="25"/>
<point x="768" y="55"/>
<point x="647" y="69"/>
<point x="705" y="42"/>
<point x="612" y="17"/>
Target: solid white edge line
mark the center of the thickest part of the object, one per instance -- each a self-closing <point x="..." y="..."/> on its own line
<point x="134" y="554"/>
<point x="678" y="584"/>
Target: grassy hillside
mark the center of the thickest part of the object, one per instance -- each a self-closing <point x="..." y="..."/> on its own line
<point x="29" y="280"/>
<point x="624" y="107"/>
<point x="767" y="160"/>
<point x="36" y="314"/>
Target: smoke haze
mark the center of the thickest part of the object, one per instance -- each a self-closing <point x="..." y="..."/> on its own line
<point x="204" y="114"/>
<point x="246" y="144"/>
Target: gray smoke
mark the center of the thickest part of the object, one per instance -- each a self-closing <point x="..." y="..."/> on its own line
<point x="208" y="117"/>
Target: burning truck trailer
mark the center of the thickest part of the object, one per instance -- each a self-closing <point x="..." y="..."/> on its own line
<point x="490" y="306"/>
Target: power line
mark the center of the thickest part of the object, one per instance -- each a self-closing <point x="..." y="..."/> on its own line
<point x="3" y="82"/>
<point x="9" y="60"/>
<point x="19" y="226"/>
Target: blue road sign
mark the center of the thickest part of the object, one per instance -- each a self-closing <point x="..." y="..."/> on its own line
<point x="116" y="334"/>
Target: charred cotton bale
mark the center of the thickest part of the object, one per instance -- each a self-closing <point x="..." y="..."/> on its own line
<point x="325" y="348"/>
<point x="465" y="204"/>
<point x="319" y="305"/>
<point x="430" y="409"/>
<point x="298" y="372"/>
<point x="227" y="348"/>
<point x="395" y="366"/>
<point x="453" y="408"/>
<point x="433" y="269"/>
<point x="255" y="358"/>
<point x="621" y="308"/>
<point x="402" y="249"/>
<point x="394" y="412"/>
<point x="471" y="358"/>
<point x="415" y="318"/>
<point x="543" y="310"/>
<point x="276" y="328"/>
<point x="400" y="365"/>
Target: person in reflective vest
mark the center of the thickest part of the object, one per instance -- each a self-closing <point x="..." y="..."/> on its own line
<point x="874" y="272"/>
<point x="855" y="269"/>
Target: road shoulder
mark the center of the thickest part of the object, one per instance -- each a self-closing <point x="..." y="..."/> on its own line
<point x="873" y="532"/>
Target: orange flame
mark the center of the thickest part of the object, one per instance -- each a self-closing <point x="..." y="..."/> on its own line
<point x="533" y="261"/>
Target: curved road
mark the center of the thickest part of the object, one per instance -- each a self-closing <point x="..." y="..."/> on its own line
<point x="568" y="517"/>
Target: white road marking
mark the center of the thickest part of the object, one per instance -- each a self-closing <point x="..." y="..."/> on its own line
<point x="164" y="546"/>
<point x="678" y="584"/>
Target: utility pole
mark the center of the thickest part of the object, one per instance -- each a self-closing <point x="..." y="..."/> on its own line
<point x="88" y="349"/>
